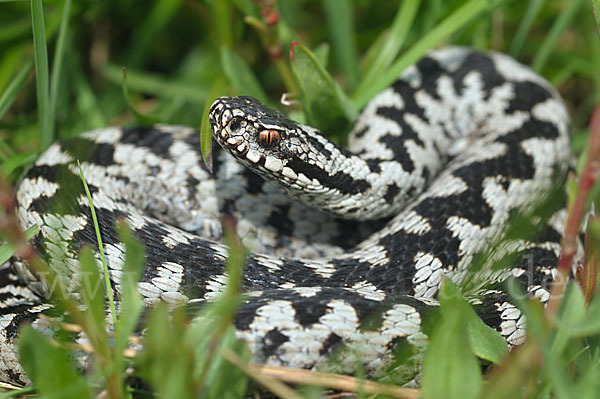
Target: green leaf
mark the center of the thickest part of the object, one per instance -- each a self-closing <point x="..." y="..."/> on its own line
<point x="322" y="54"/>
<point x="584" y="326"/>
<point x="6" y="250"/>
<point x="241" y="76"/>
<point x="41" y="72"/>
<point x="218" y="89"/>
<point x="9" y="95"/>
<point x="485" y="342"/>
<point x="450" y="368"/>
<point x="325" y="105"/>
<point x="166" y="361"/>
<point x="49" y="368"/>
<point x="225" y="380"/>
<point x="572" y="311"/>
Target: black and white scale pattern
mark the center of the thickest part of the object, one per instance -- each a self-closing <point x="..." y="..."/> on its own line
<point x="436" y="166"/>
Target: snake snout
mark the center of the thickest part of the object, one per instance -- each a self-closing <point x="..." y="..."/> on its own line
<point x="219" y="114"/>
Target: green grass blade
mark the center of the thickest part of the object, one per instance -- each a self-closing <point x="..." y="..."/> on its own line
<point x="155" y="84"/>
<point x="524" y="27"/>
<point x="339" y="19"/>
<point x="5" y="151"/>
<point x="392" y="44"/>
<point x="141" y="118"/>
<point x="11" y="63"/>
<point x="222" y="12"/>
<point x="58" y="62"/>
<point x="146" y="35"/>
<point x="11" y="164"/>
<point x="325" y="104"/>
<point x="218" y="89"/>
<point x="560" y="24"/>
<point x="86" y="102"/>
<point x="458" y="19"/>
<point x="7" y="250"/>
<point x="241" y="76"/>
<point x="9" y="95"/>
<point x="248" y="7"/>
<point x="17" y="393"/>
<point x="596" y="11"/>
<point x="109" y="291"/>
<point x="41" y="72"/>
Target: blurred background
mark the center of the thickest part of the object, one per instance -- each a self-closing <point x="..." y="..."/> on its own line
<point x="179" y="54"/>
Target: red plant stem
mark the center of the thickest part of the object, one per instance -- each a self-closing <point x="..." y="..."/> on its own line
<point x="576" y="213"/>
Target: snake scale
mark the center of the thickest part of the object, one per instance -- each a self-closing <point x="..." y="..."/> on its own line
<point x="349" y="245"/>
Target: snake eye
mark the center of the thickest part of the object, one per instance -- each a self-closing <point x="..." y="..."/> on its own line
<point x="269" y="138"/>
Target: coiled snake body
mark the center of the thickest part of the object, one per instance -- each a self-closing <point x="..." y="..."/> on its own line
<point x="436" y="165"/>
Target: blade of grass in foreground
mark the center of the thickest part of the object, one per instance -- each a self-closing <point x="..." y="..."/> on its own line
<point x="41" y="72"/>
<point x="62" y="380"/>
<point x="100" y="247"/>
<point x="450" y="368"/>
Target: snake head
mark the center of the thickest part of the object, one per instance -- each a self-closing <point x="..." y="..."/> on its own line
<point x="296" y="157"/>
<point x="257" y="135"/>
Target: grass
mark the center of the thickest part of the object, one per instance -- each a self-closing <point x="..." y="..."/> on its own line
<point x="179" y="57"/>
<point x="107" y="286"/>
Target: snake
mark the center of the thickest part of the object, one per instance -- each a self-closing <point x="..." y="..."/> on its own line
<point x="347" y="245"/>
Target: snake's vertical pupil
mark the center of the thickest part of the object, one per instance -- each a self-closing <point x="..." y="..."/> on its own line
<point x="269" y="138"/>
